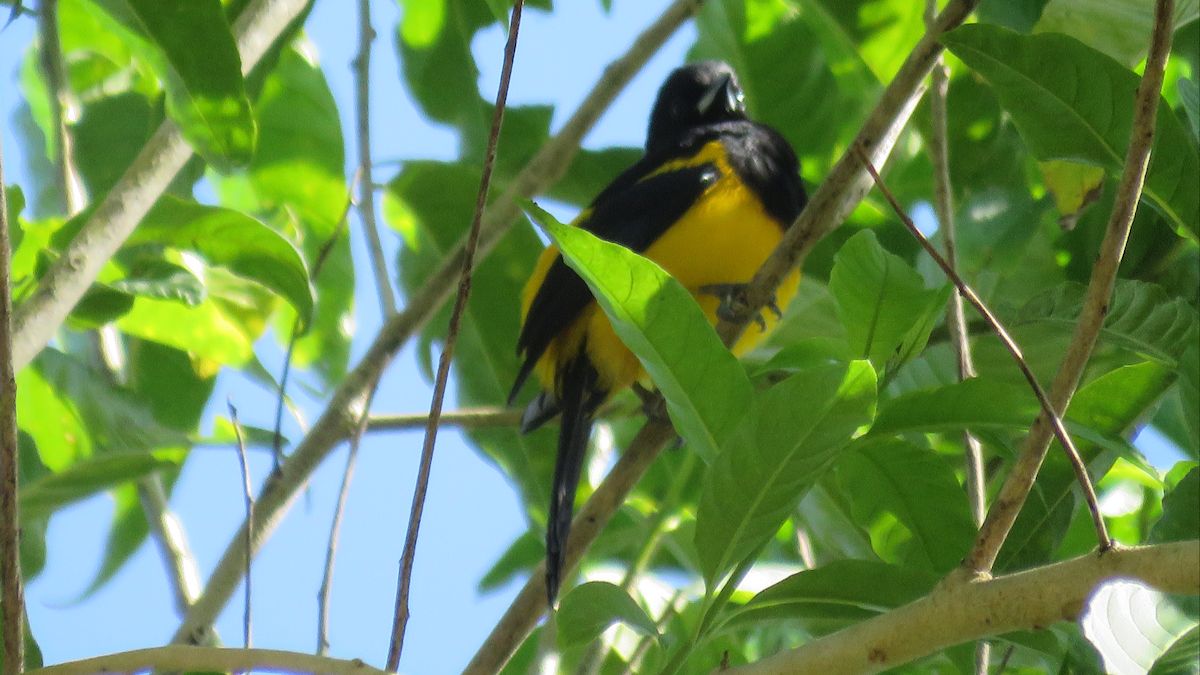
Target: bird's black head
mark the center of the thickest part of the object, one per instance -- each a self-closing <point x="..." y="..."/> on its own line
<point x="699" y="93"/>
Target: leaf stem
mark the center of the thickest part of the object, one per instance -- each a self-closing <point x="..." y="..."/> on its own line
<point x="249" y="540"/>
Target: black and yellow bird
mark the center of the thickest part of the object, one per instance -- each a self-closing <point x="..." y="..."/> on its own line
<point x="708" y="202"/>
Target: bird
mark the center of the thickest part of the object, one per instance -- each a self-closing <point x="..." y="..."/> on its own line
<point x="708" y="201"/>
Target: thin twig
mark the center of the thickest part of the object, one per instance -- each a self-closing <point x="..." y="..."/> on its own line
<point x="366" y="195"/>
<point x="167" y="531"/>
<point x="241" y="448"/>
<point x="1095" y="305"/>
<point x="467" y="418"/>
<point x="955" y="613"/>
<point x="12" y="591"/>
<point x="1004" y="660"/>
<point x="62" y="107"/>
<point x="180" y="658"/>
<point x="69" y="277"/>
<point x="335" y="422"/>
<point x="943" y="205"/>
<point x="400" y="621"/>
<point x="335" y="530"/>
<point x="1060" y="429"/>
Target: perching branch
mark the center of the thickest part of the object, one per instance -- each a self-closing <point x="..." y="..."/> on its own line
<point x="180" y="658"/>
<point x="848" y="182"/>
<point x="960" y="610"/>
<point x="12" y="591"/>
<point x="1059" y="428"/>
<point x="1095" y="305"/>
<point x="68" y="278"/>
<point x="366" y="184"/>
<point x="336" y="422"/>
<point x="400" y="622"/>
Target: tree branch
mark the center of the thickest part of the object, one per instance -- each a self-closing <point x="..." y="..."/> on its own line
<point x="180" y="658"/>
<point x="1059" y="428"/>
<point x="467" y="418"/>
<point x="336" y="422"/>
<point x="1095" y="305"/>
<point x="12" y="591"/>
<point x="167" y="531"/>
<point x="366" y="185"/>
<point x="68" y="278"/>
<point x="848" y="182"/>
<point x="247" y="621"/>
<point x="62" y="107"/>
<point x="960" y="610"/>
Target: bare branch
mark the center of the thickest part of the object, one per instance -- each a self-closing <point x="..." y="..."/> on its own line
<point x="961" y="610"/>
<point x="1060" y="429"/>
<point x="335" y="423"/>
<point x="400" y="623"/>
<point x="326" y="591"/>
<point x="63" y="107"/>
<point x="1095" y="305"/>
<point x="180" y="658"/>
<point x="848" y="182"/>
<point x="168" y="533"/>
<point x="12" y="591"/>
<point x="249" y="493"/>
<point x="68" y="278"/>
<point x="366" y="185"/>
<point x="468" y="418"/>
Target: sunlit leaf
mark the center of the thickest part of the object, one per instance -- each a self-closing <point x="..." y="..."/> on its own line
<point x="591" y="608"/>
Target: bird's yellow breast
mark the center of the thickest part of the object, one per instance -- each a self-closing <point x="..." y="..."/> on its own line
<point x="723" y="238"/>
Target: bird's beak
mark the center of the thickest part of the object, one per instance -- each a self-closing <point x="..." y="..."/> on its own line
<point x="718" y="88"/>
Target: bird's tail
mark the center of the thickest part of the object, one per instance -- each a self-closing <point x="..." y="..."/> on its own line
<point x="579" y="401"/>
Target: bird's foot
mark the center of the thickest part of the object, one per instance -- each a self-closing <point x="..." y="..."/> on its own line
<point x="653" y="405"/>
<point x="733" y="303"/>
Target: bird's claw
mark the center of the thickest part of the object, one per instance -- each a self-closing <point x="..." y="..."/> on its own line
<point x="733" y="303"/>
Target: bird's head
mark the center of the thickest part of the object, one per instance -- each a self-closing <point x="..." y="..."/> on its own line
<point x="697" y="94"/>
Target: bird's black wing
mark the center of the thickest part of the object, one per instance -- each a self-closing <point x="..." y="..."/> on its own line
<point x="633" y="211"/>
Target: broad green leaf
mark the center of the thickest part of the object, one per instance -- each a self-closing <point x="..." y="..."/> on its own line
<point x="1018" y="15"/>
<point x="1182" y="657"/>
<point x="431" y="204"/>
<point x="974" y="403"/>
<point x="850" y="590"/>
<point x="706" y="389"/>
<point x="51" y="420"/>
<point x="1119" y="28"/>
<point x="793" y="433"/>
<point x="1181" y="511"/>
<point x="233" y="240"/>
<point x="919" y="487"/>
<point x="156" y="278"/>
<point x="1189" y="95"/>
<point x="591" y="608"/>
<point x="203" y="330"/>
<point x="94" y="474"/>
<point x="109" y="136"/>
<point x="1063" y="116"/>
<point x="1140" y="317"/>
<point x="1131" y="624"/>
<point x="190" y="48"/>
<point x="880" y="299"/>
<point x="522" y="555"/>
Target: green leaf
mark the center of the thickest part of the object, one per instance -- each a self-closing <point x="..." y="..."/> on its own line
<point x="975" y="403"/>
<point x="1189" y="96"/>
<point x="90" y="476"/>
<point x="522" y="555"/>
<point x="591" y="608"/>
<point x="233" y="240"/>
<point x="880" y="299"/>
<point x="190" y="48"/>
<point x="1181" y="511"/>
<point x="1018" y="15"/>
<point x="919" y="487"/>
<point x="847" y="590"/>
<point x="50" y="419"/>
<point x="109" y="136"/>
<point x="1063" y="116"/>
<point x="203" y="330"/>
<point x="793" y="433"/>
<point x="1141" y="317"/>
<point x="706" y="388"/>
<point x="1182" y="657"/>
<point x="156" y="278"/>
<point x="1119" y="28"/>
